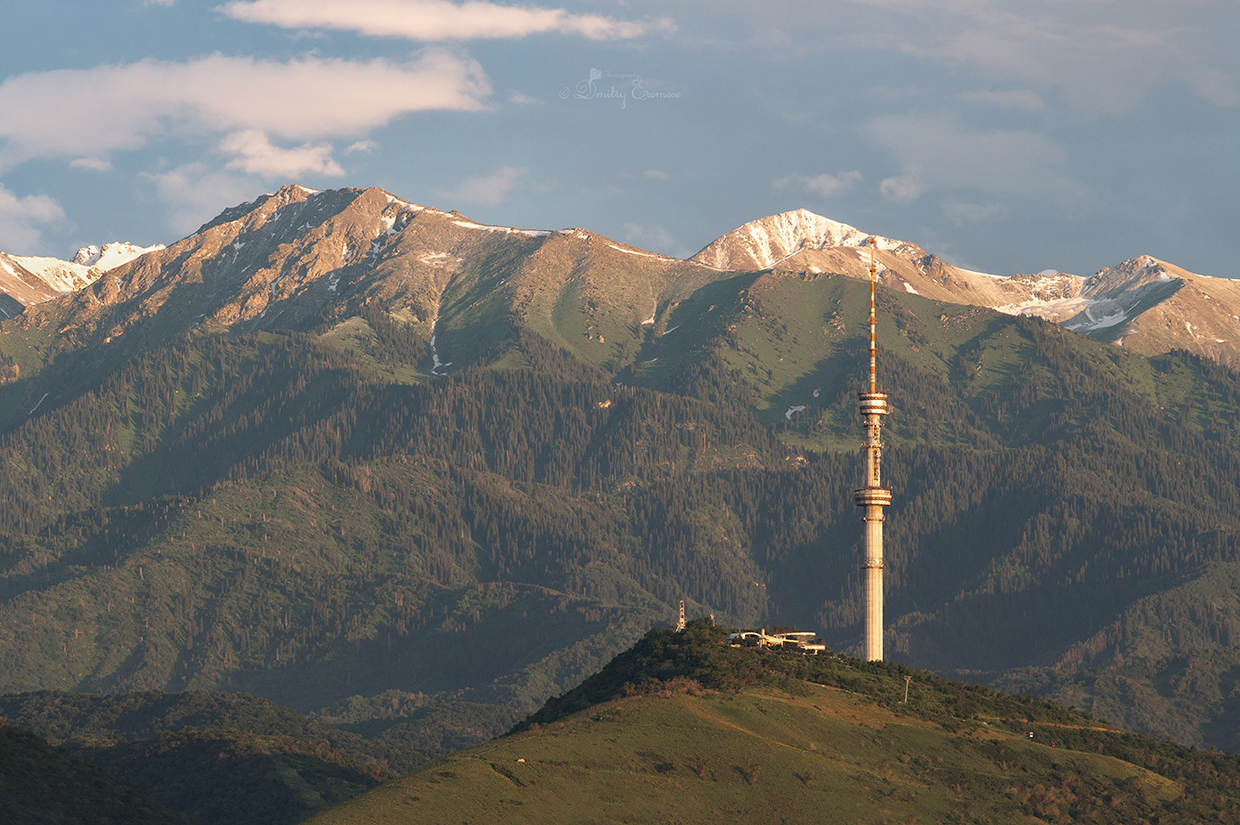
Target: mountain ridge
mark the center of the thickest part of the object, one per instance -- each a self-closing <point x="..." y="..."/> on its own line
<point x="1134" y="303"/>
<point x="356" y="245"/>
<point x="32" y="280"/>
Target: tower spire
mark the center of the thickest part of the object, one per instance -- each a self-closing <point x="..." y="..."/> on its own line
<point x="873" y="497"/>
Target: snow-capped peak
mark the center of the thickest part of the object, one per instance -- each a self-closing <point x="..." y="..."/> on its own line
<point x="763" y="243"/>
<point x="88" y="255"/>
<point x="87" y="265"/>
<point x="110" y="255"/>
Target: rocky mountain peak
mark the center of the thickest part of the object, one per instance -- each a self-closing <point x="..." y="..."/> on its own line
<point x="761" y="244"/>
<point x="110" y="255"/>
<point x="1130" y="274"/>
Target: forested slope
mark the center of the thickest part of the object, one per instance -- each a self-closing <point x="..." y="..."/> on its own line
<point x="40" y="785"/>
<point x="311" y="515"/>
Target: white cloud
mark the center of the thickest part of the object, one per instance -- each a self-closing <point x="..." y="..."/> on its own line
<point x="824" y="185"/>
<point x="435" y="20"/>
<point x="369" y="147"/>
<point x="1024" y="99"/>
<point x="490" y="190"/>
<point x="1219" y="88"/>
<point x="21" y="217"/>
<point x="1102" y="56"/>
<point x="971" y="213"/>
<point x="656" y="174"/>
<point x="656" y="239"/>
<point x="197" y="193"/>
<point x="522" y="99"/>
<point x="93" y="164"/>
<point x="903" y="189"/>
<point x="83" y="113"/>
<point x="938" y="154"/>
<point x="256" y="156"/>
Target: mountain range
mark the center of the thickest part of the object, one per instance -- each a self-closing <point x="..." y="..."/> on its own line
<point x="373" y="245"/>
<point x="336" y="448"/>
<point x="31" y="280"/>
<point x="1147" y="305"/>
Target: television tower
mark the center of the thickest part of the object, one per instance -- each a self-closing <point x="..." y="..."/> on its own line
<point x="873" y="496"/>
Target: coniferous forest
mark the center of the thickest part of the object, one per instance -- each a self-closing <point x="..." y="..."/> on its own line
<point x="418" y="560"/>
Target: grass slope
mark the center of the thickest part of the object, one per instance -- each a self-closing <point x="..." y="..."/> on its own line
<point x="763" y="746"/>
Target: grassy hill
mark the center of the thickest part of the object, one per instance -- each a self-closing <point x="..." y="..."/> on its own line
<point x="652" y="740"/>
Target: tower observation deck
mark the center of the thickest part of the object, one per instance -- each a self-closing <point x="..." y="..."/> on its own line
<point x="873" y="497"/>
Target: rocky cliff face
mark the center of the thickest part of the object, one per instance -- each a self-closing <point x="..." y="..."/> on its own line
<point x="19" y="287"/>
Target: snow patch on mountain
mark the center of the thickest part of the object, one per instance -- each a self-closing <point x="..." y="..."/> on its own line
<point x="508" y="230"/>
<point x="87" y="265"/>
<point x="1114" y="296"/>
<point x="442" y="260"/>
<point x="984" y="274"/>
<point x="635" y="252"/>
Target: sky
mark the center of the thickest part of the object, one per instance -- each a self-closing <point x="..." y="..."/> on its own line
<point x="1003" y="136"/>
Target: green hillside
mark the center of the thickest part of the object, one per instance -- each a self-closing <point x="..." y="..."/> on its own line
<point x="683" y="729"/>
<point x="310" y="516"/>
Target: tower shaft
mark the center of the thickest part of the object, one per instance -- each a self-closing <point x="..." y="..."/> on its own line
<point x="873" y="497"/>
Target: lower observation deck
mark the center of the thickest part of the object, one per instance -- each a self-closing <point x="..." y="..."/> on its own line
<point x="867" y="496"/>
<point x="872" y="403"/>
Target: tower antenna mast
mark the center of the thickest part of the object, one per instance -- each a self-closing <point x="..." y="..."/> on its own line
<point x="873" y="497"/>
<point x="873" y="347"/>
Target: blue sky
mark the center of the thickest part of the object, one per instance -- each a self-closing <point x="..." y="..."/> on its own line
<point x="1003" y="136"/>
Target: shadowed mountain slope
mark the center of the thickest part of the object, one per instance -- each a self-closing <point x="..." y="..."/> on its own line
<point x="40" y="785"/>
